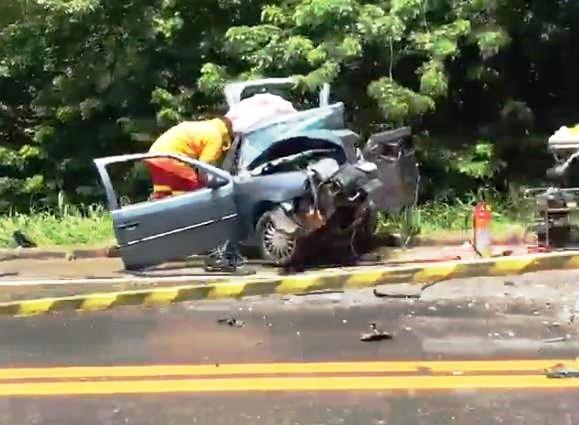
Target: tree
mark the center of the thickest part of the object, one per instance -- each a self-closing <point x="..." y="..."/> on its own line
<point x="87" y="78"/>
<point x="395" y="52"/>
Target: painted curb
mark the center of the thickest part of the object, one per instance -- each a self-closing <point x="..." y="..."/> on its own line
<point x="393" y="241"/>
<point x="57" y="254"/>
<point x="332" y="279"/>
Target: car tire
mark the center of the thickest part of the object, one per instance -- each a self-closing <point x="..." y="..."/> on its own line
<point x="275" y="246"/>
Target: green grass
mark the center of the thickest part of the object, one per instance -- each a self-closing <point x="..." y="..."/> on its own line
<point x="69" y="226"/>
<point x="438" y="219"/>
<point x="91" y="226"/>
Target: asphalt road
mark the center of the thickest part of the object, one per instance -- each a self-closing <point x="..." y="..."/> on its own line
<point x="467" y="352"/>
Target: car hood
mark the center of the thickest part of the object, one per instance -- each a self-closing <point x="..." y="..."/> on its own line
<point x="314" y="123"/>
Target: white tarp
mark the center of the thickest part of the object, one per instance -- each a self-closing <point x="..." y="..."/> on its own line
<point x="260" y="107"/>
<point x="566" y="135"/>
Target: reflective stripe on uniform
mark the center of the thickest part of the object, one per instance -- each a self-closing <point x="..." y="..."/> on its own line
<point x="162" y="188"/>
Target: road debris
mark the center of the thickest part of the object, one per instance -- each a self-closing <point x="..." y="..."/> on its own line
<point x="381" y="294"/>
<point x="232" y="322"/>
<point x="23" y="241"/>
<point x="562" y="373"/>
<point x="510" y="283"/>
<point x="376" y="335"/>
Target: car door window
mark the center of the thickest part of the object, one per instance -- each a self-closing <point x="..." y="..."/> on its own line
<point x="153" y="179"/>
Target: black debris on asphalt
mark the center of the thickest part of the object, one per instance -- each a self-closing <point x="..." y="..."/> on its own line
<point x="376" y="335"/>
<point x="232" y="322"/>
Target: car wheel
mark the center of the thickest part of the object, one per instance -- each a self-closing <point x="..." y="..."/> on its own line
<point x="276" y="246"/>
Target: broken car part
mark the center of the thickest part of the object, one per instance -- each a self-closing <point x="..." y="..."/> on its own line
<point x="232" y="322"/>
<point x="375" y="335"/>
<point x="562" y="373"/>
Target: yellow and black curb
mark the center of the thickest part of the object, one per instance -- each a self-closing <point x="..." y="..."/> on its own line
<point x="331" y="279"/>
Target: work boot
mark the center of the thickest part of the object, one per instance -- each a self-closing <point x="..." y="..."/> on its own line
<point x="226" y="258"/>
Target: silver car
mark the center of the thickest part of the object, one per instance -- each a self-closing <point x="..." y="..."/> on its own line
<point x="286" y="184"/>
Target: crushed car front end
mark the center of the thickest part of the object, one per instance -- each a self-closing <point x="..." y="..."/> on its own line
<point x="301" y="177"/>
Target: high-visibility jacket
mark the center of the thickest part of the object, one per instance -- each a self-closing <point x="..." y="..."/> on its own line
<point x="206" y="141"/>
<point x="203" y="140"/>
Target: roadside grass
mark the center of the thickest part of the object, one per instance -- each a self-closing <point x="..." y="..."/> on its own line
<point x="91" y="226"/>
<point x="68" y="226"/>
<point x="510" y="217"/>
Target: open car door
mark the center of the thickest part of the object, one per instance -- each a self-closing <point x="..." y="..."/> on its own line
<point x="153" y="232"/>
<point x="395" y="156"/>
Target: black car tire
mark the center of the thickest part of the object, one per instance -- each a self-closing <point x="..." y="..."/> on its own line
<point x="275" y="246"/>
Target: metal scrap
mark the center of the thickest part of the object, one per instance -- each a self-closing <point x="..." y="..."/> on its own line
<point x="562" y="373"/>
<point x="284" y="223"/>
<point x="376" y="335"/>
<point x="232" y="322"/>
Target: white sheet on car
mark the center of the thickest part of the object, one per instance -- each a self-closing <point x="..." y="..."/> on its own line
<point x="565" y="137"/>
<point x="260" y="107"/>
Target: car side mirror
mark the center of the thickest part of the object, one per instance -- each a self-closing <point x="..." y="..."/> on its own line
<point x="215" y="182"/>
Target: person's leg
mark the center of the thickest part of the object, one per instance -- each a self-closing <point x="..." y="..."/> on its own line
<point x="225" y="258"/>
<point x="172" y="178"/>
<point x="160" y="179"/>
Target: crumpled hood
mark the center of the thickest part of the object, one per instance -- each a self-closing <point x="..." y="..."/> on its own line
<point x="302" y="124"/>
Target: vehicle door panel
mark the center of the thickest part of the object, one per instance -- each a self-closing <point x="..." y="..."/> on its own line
<point x="395" y="157"/>
<point x="151" y="233"/>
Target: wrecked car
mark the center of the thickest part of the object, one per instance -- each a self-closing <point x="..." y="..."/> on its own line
<point x="286" y="181"/>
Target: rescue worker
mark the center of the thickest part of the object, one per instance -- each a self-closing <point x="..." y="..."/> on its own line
<point x="206" y="141"/>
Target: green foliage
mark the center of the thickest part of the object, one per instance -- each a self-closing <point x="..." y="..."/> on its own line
<point x="81" y="79"/>
<point x="301" y="38"/>
<point x="450" y="219"/>
<point x="478" y="161"/>
<point x="66" y="226"/>
<point x="398" y="102"/>
<point x="491" y="42"/>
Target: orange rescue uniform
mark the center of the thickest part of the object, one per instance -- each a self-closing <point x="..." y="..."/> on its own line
<point x="206" y="141"/>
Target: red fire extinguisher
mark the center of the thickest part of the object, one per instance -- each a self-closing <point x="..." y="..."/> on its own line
<point x="482" y="219"/>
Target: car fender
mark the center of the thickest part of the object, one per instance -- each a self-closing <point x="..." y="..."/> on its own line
<point x="253" y="192"/>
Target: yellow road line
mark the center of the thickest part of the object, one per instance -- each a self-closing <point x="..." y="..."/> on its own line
<point x="495" y="366"/>
<point x="358" y="383"/>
